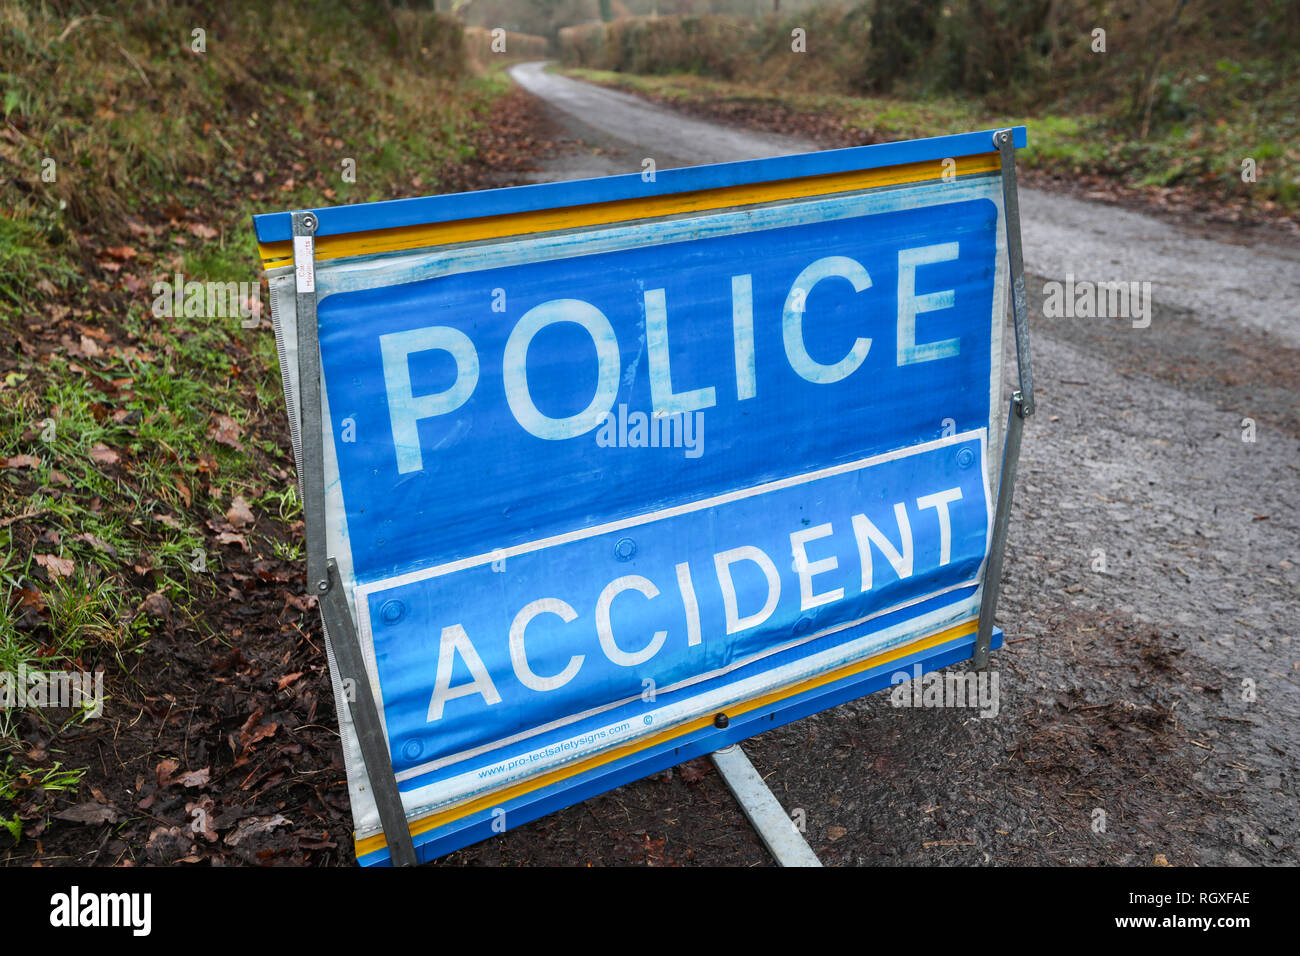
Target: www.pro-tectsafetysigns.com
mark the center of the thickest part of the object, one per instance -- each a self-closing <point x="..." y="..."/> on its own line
<point x="590" y="484"/>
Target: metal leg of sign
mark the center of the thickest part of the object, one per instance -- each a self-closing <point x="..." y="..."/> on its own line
<point x="1001" y="520"/>
<point x="1022" y="402"/>
<point x="1016" y="259"/>
<point x="322" y="571"/>
<point x="782" y="839"/>
<point x="365" y="718"/>
<point x="309" y="403"/>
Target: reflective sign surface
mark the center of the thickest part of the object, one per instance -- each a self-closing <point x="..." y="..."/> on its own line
<point x="595" y="486"/>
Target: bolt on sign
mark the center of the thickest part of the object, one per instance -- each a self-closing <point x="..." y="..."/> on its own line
<point x="601" y="476"/>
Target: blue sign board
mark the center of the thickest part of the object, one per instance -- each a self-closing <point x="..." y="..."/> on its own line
<point x="593" y="485"/>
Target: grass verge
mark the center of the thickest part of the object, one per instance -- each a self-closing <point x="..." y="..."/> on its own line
<point x="146" y="484"/>
<point x="1199" y="159"/>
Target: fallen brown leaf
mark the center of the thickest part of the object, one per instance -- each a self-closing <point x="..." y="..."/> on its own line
<point x="693" y="771"/>
<point x="201" y="814"/>
<point x="253" y="825"/>
<point x="156" y="605"/>
<point x="97" y="543"/>
<point x="20" y="461"/>
<point x="62" y="567"/>
<point x="163" y="772"/>
<point x="227" y="431"/>
<point x="194" y="778"/>
<point x="103" y="454"/>
<point x="88" y="812"/>
<point x="229" y="537"/>
<point x="239" y="514"/>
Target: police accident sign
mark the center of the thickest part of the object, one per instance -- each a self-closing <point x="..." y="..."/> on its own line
<point x="618" y="472"/>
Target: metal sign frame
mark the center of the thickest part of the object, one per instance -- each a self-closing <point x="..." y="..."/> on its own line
<point x="356" y="700"/>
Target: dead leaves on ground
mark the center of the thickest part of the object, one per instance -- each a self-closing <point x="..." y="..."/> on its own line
<point x="239" y="518"/>
<point x="165" y="774"/>
<point x="98" y="544"/>
<point x="56" y="566"/>
<point x="20" y="461"/>
<point x="230" y="537"/>
<point x="239" y="514"/>
<point x="251" y="826"/>
<point x="156" y="605"/>
<point x="91" y="812"/>
<point x="101" y="453"/>
<point x="253" y="732"/>
<point x="227" y="431"/>
<point x="205" y="813"/>
<point x="239" y="764"/>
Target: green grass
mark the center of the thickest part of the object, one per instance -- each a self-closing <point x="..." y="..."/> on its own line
<point x="143" y="130"/>
<point x="27" y="260"/>
<point x="15" y="778"/>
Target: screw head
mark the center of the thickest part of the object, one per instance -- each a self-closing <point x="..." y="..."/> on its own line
<point x="322" y="586"/>
<point x="721" y="721"/>
<point x="309" y="222"/>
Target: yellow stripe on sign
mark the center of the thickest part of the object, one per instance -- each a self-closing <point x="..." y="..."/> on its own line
<point x="276" y="254"/>
<point x="497" y="797"/>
